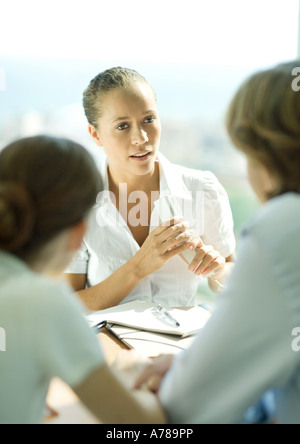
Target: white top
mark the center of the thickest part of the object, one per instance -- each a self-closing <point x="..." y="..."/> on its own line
<point x="247" y="346"/>
<point x="46" y="336"/>
<point x="109" y="243"/>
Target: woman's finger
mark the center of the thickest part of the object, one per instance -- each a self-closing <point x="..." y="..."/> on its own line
<point x="207" y="261"/>
<point x="176" y="241"/>
<point x="154" y="382"/>
<point x="166" y="225"/>
<point x="176" y="250"/>
<point x="217" y="265"/>
<point x="157" y="369"/>
<point x="199" y="258"/>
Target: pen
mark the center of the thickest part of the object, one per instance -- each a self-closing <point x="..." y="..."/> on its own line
<point x="223" y="287"/>
<point x="101" y="325"/>
<point x="163" y="312"/>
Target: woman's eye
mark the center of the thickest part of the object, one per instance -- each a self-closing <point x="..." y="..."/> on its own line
<point x="150" y="119"/>
<point x="122" y="127"/>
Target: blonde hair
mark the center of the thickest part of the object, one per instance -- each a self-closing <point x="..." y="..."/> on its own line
<point x="263" y="121"/>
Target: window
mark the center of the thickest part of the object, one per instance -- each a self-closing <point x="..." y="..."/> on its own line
<point x="194" y="53"/>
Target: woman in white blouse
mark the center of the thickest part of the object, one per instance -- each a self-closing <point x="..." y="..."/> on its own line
<point x="251" y="343"/>
<point x="126" y="254"/>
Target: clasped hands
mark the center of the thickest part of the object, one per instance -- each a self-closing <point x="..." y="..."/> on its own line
<point x="173" y="238"/>
<point x="206" y="260"/>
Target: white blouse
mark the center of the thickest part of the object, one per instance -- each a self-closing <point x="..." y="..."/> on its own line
<point x="250" y="345"/>
<point x="109" y="243"/>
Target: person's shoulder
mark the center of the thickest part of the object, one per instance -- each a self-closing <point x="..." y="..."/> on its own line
<point x="46" y="293"/>
<point x="275" y="217"/>
<point x="199" y="179"/>
<point x="34" y="295"/>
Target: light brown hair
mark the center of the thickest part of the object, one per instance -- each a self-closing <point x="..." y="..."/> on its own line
<point x="263" y="121"/>
<point x="102" y="84"/>
<point x="47" y="185"/>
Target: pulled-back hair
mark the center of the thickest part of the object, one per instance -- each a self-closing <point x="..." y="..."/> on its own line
<point x="102" y="84"/>
<point x="263" y="121"/>
<point x="47" y="185"/>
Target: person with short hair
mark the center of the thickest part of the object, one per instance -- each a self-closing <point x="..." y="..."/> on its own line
<point x="126" y="254"/>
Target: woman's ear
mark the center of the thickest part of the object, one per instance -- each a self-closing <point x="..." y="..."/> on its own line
<point x="94" y="134"/>
<point x="77" y="233"/>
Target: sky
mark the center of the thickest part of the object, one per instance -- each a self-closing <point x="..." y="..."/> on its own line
<point x="215" y="32"/>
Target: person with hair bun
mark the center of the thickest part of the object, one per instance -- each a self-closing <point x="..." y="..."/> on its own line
<point x="127" y="253"/>
<point x="48" y="187"/>
<point x="249" y="349"/>
<point x="16" y="216"/>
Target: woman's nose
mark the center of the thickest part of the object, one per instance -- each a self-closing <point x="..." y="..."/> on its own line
<point x="139" y="137"/>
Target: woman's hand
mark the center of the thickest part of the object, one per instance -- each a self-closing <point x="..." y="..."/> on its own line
<point x="162" y="244"/>
<point x="154" y="373"/>
<point x="206" y="260"/>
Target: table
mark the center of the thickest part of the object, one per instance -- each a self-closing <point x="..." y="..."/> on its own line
<point x="67" y="408"/>
<point x="64" y="401"/>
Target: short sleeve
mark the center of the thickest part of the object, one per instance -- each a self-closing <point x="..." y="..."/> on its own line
<point x="69" y="349"/>
<point x="79" y="264"/>
<point x="218" y="219"/>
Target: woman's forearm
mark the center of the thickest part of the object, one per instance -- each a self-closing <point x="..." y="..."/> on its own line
<point x="112" y="290"/>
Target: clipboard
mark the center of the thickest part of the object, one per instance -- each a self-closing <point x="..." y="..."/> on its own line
<point x="149" y="344"/>
<point x="142" y="315"/>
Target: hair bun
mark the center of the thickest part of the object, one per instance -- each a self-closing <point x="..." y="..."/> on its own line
<point x="17" y="216"/>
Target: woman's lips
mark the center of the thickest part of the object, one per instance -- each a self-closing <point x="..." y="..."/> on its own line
<point x="141" y="157"/>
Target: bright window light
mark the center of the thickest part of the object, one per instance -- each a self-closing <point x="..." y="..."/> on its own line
<point x="221" y="32"/>
<point x="195" y="53"/>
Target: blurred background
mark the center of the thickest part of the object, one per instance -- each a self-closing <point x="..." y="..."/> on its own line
<point x="195" y="53"/>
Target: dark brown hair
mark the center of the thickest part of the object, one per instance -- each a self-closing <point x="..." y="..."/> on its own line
<point x="102" y="84"/>
<point x="47" y="185"/>
<point x="263" y="121"/>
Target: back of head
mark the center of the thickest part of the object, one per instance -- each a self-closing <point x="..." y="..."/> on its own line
<point x="47" y="185"/>
<point x="263" y="121"/>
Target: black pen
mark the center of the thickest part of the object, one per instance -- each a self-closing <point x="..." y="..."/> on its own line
<point x="101" y="325"/>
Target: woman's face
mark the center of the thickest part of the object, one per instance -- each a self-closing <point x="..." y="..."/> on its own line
<point x="129" y="130"/>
